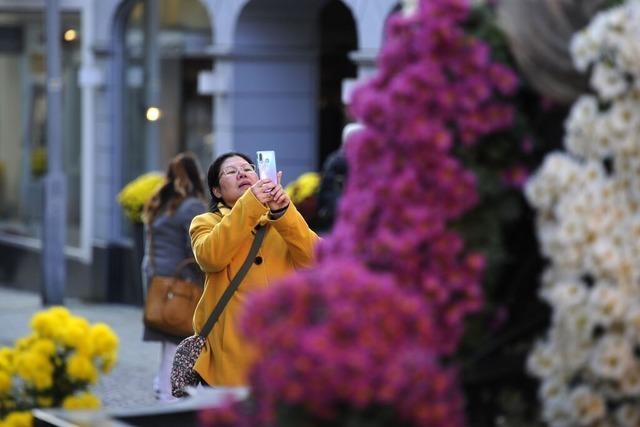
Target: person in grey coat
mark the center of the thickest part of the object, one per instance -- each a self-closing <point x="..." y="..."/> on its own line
<point x="167" y="217"/>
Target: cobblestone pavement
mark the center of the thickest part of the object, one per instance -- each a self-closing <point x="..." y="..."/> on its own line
<point x="130" y="383"/>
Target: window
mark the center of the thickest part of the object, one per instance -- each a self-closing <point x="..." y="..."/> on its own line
<point x="23" y="112"/>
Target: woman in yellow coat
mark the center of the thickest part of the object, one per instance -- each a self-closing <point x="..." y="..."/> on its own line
<point x="221" y="240"/>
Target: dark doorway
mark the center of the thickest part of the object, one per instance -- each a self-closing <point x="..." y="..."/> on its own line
<point x="337" y="38"/>
<point x="196" y="131"/>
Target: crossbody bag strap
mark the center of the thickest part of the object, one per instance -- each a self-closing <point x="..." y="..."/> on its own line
<point x="257" y="241"/>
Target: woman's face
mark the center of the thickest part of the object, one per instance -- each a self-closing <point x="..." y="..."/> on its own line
<point x="236" y="176"/>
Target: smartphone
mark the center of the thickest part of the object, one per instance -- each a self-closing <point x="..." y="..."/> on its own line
<point x="267" y="165"/>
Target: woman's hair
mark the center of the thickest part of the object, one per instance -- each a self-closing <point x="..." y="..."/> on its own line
<point x="184" y="179"/>
<point x="213" y="176"/>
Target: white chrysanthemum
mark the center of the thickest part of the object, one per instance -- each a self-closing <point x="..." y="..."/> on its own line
<point x="581" y="143"/>
<point x="544" y="360"/>
<point x="632" y="322"/>
<point x="608" y="81"/>
<point x="584" y="50"/>
<point x="606" y="255"/>
<point x="600" y="222"/>
<point x="630" y="382"/>
<point x="552" y="275"/>
<point x="579" y="323"/>
<point x="580" y="127"/>
<point x="572" y="230"/>
<point x="566" y="256"/>
<point x="612" y="357"/>
<point x="628" y="415"/>
<point x="616" y="20"/>
<point x="583" y="112"/>
<point x="607" y="304"/>
<point x="558" y="174"/>
<point x="552" y="389"/>
<point x="593" y="173"/>
<point x="557" y="413"/>
<point x="588" y="221"/>
<point x="538" y="194"/>
<point x="567" y="294"/>
<point x="624" y="115"/>
<point x="569" y="257"/>
<point x="586" y="405"/>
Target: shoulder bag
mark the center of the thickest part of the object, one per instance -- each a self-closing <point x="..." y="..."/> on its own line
<point x="171" y="300"/>
<point x="182" y="373"/>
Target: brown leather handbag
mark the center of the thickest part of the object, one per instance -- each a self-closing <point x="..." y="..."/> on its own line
<point x="171" y="300"/>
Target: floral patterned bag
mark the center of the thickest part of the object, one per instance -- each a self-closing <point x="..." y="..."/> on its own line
<point x="188" y="351"/>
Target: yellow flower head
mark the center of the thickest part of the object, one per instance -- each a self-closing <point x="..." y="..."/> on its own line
<point x="35" y="368"/>
<point x="108" y="362"/>
<point x="7" y="356"/>
<point x="18" y="419"/>
<point x="103" y="340"/>
<point x="135" y="194"/>
<point x="80" y="368"/>
<point x="75" y="334"/>
<point x="303" y="187"/>
<point x="44" y="346"/>
<point x="5" y="382"/>
<point x="81" y="401"/>
<point x="49" y="323"/>
<point x="25" y="342"/>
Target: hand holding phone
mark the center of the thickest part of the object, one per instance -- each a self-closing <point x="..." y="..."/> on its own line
<point x="267" y="165"/>
<point x="267" y="170"/>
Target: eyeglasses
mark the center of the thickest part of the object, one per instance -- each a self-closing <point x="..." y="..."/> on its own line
<point x="247" y="168"/>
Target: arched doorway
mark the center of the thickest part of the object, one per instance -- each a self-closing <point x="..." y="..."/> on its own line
<point x="288" y="60"/>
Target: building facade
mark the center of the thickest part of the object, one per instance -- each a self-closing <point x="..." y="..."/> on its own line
<point x="145" y="79"/>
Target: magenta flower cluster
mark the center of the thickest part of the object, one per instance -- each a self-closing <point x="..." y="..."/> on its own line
<point x="342" y="333"/>
<point x="436" y="87"/>
<point x="371" y="325"/>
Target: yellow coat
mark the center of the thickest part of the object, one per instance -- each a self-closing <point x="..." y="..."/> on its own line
<point x="221" y="243"/>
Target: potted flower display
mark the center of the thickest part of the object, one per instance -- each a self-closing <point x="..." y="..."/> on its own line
<point x="54" y="366"/>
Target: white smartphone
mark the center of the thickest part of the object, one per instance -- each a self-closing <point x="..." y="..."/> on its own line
<point x="267" y="165"/>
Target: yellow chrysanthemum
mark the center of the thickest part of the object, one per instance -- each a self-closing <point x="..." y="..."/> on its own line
<point x="18" y="419"/>
<point x="81" y="401"/>
<point x="44" y="346"/>
<point x="103" y="340"/>
<point x="49" y="323"/>
<point x="76" y="334"/>
<point x="80" y="368"/>
<point x="303" y="187"/>
<point x="108" y="362"/>
<point x="5" y="382"/>
<point x="59" y="312"/>
<point x="24" y="343"/>
<point x="135" y="194"/>
<point x="34" y="368"/>
<point x="6" y="359"/>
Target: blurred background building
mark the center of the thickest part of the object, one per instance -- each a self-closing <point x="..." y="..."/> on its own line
<point x="145" y="79"/>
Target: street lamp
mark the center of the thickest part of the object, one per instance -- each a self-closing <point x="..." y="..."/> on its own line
<point x="153" y="114"/>
<point x="70" y="35"/>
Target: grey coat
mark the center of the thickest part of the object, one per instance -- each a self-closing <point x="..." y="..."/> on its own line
<point x="171" y="245"/>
